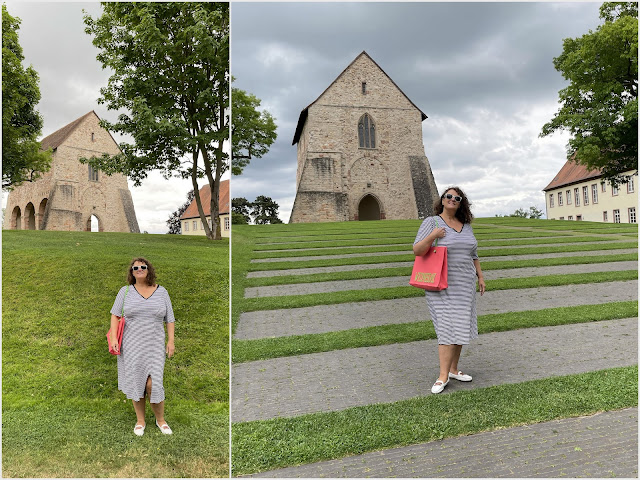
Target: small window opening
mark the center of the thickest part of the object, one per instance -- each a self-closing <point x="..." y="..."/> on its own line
<point x="364" y="88"/>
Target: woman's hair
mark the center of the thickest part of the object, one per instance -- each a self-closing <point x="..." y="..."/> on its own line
<point x="151" y="272"/>
<point x="463" y="213"/>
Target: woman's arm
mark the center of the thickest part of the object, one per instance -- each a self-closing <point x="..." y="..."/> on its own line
<point x="170" y="339"/>
<point x="422" y="246"/>
<point x="481" y="284"/>
<point x="113" y="332"/>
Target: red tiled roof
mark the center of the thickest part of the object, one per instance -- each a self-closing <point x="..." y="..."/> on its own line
<point x="205" y="197"/>
<point x="570" y="173"/>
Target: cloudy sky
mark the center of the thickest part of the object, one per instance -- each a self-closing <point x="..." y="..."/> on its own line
<point x="54" y="42"/>
<point x="481" y="72"/>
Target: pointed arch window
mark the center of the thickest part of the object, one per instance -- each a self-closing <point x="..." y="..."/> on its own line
<point x="366" y="132"/>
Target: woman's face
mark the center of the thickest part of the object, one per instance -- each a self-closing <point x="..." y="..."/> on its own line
<point x="139" y="270"/>
<point x="451" y="203"/>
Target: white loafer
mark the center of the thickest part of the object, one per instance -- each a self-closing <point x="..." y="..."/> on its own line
<point x="463" y="377"/>
<point x="438" y="386"/>
<point x="139" y="430"/>
<point x="164" y="428"/>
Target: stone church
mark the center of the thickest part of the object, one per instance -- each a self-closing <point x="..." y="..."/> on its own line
<point x="70" y="194"/>
<point x="360" y="152"/>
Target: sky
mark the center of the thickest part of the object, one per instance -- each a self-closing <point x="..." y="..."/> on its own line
<point x="54" y="42"/>
<point x="482" y="72"/>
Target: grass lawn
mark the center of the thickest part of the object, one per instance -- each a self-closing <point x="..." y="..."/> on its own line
<point x="62" y="413"/>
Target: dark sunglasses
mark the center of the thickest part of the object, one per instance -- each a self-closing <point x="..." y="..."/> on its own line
<point x="448" y="196"/>
<point x="142" y="267"/>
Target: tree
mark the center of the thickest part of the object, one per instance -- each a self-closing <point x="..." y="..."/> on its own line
<point x="171" y="74"/>
<point x="22" y="159"/>
<point x="241" y="206"/>
<point x="173" y="223"/>
<point x="600" y="105"/>
<point x="533" y="212"/>
<point x="238" y="219"/>
<point x="253" y="132"/>
<point x="264" y="211"/>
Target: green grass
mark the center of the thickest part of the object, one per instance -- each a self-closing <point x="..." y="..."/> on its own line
<point x="62" y="412"/>
<point x="265" y="348"/>
<point x="266" y="445"/>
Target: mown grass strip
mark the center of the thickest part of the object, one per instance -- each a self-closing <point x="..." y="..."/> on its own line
<point x="310" y="300"/>
<point x="264" y="348"/>
<point x="323" y="436"/>
<point x="406" y="271"/>
<point x="600" y="244"/>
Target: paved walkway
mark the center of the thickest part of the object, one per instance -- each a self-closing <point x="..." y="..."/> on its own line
<point x="403" y="281"/>
<point x="336" y="380"/>
<point x="366" y="266"/>
<point x="571" y="447"/>
<point x="345" y="316"/>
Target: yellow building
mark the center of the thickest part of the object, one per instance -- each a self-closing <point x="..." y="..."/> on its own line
<point x="577" y="193"/>
<point x="190" y="222"/>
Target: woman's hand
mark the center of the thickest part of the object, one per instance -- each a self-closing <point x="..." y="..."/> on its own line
<point x="171" y="348"/>
<point x="481" y="285"/>
<point x="114" y="343"/>
<point x="439" y="232"/>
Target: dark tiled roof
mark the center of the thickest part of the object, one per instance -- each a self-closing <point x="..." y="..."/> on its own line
<point x="205" y="197"/>
<point x="570" y="173"/>
<point x="56" y="138"/>
<point x="303" y="115"/>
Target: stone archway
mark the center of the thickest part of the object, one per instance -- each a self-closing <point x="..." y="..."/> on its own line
<point x="16" y="219"/>
<point x="30" y="217"/>
<point x="369" y="208"/>
<point x="94" y="224"/>
<point x="41" y="209"/>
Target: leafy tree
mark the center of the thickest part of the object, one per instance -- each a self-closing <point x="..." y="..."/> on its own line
<point x="171" y="73"/>
<point x="264" y="211"/>
<point x="238" y="219"/>
<point x="22" y="159"/>
<point x="173" y="223"/>
<point x="600" y="105"/>
<point x="533" y="212"/>
<point x="241" y="206"/>
<point x="253" y="132"/>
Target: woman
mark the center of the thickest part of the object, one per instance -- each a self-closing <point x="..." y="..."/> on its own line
<point x="453" y="310"/>
<point x="141" y="362"/>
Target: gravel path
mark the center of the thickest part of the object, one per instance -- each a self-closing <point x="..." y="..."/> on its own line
<point x="570" y="447"/>
<point x="403" y="281"/>
<point x="345" y="316"/>
<point x="336" y="380"/>
<point x="367" y="266"/>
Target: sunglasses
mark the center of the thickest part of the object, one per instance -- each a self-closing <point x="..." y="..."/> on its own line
<point x="141" y="267"/>
<point x="448" y="196"/>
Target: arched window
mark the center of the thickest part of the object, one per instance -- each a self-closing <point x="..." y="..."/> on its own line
<point x="366" y="132"/>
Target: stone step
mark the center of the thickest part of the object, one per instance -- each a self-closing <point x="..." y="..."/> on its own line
<point x="345" y="316"/>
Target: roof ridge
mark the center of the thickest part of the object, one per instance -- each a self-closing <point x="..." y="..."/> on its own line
<point x="55" y="139"/>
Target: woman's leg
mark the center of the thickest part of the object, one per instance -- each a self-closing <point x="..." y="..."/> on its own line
<point x="139" y="408"/>
<point x="456" y="356"/>
<point x="157" y="408"/>
<point x="446" y="354"/>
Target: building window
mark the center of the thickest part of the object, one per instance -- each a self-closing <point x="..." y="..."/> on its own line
<point x="632" y="215"/>
<point x="195" y="225"/>
<point x="226" y="223"/>
<point x="560" y="199"/>
<point x="561" y="218"/>
<point x="568" y="197"/>
<point x="614" y="192"/>
<point x="594" y="192"/>
<point x="630" y="187"/>
<point x="578" y="218"/>
<point x="186" y="226"/>
<point x="364" y="88"/>
<point x="366" y="132"/>
<point x="93" y="137"/>
<point x="585" y="195"/>
<point x="605" y="216"/>
<point x="570" y="217"/>
<point x="551" y="200"/>
<point x="576" y="191"/>
<point x="616" y="216"/>
<point x="604" y="186"/>
<point x="93" y="174"/>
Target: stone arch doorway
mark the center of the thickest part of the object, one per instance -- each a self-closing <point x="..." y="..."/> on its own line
<point x="41" y="210"/>
<point x="30" y="217"/>
<point x="94" y="224"/>
<point x="369" y="208"/>
<point x="16" y="219"/>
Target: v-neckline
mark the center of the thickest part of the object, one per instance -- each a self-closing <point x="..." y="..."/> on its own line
<point x="146" y="298"/>
<point x="445" y="222"/>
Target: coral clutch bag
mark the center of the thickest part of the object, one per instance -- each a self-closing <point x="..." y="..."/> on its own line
<point x="430" y="270"/>
<point x="119" y="331"/>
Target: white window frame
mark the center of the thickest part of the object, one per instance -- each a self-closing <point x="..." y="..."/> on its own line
<point x="594" y="192"/>
<point x="560" y="199"/>
<point x="226" y="223"/>
<point x="570" y="217"/>
<point x="576" y="192"/>
<point x="186" y="225"/>
<point x="614" y="192"/>
<point x="616" y="216"/>
<point x="551" y="200"/>
<point x="632" y="214"/>
<point x="605" y="216"/>
<point x="585" y="195"/>
<point x="195" y="225"/>
<point x="604" y="186"/>
<point x="630" y="186"/>
<point x="568" y="197"/>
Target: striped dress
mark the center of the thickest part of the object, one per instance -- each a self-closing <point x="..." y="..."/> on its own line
<point x="143" y="348"/>
<point x="453" y="310"/>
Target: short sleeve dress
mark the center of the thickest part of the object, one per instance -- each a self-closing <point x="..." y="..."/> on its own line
<point x="143" y="349"/>
<point x="453" y="310"/>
